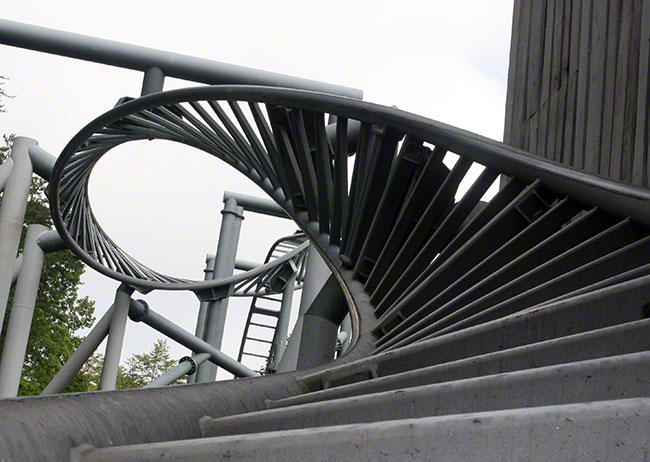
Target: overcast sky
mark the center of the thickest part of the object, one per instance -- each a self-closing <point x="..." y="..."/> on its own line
<point x="446" y="60"/>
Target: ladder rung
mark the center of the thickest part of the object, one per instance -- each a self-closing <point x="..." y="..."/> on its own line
<point x="261" y="325"/>
<point x="267" y="312"/>
<point x="258" y="340"/>
<point x="254" y="354"/>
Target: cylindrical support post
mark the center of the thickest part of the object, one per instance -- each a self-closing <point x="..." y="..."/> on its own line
<point x="140" y="312"/>
<point x="108" y="380"/>
<point x="153" y="81"/>
<point x="256" y="204"/>
<point x="17" y="265"/>
<point x="51" y="241"/>
<point x="5" y="172"/>
<point x="316" y="275"/>
<point x="42" y="162"/>
<point x="83" y="352"/>
<point x="203" y="308"/>
<point x="224" y="266"/>
<point x="186" y="365"/>
<point x="22" y="312"/>
<point x="282" y="327"/>
<point x="346" y="328"/>
<point x="12" y="214"/>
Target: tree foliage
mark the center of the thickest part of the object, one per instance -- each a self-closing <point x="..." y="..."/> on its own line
<point x="139" y="370"/>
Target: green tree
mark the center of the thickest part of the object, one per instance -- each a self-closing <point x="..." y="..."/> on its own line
<point x="59" y="311"/>
<point x="139" y="370"/>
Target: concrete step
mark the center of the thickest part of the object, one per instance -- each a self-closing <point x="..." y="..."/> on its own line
<point x="610" y="341"/>
<point x="605" y="430"/>
<point x="625" y="376"/>
<point x="598" y="309"/>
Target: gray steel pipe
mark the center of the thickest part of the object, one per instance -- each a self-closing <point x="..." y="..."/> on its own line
<point x="282" y="328"/>
<point x="316" y="275"/>
<point x="153" y="81"/>
<point x="108" y="380"/>
<point x="224" y="266"/>
<point x="5" y="172"/>
<point x="12" y="214"/>
<point x="186" y="365"/>
<point x="203" y="308"/>
<point x="142" y="59"/>
<point x="83" y="352"/>
<point x="18" y="263"/>
<point x="42" y="161"/>
<point x="50" y="241"/>
<point x="140" y="312"/>
<point x="22" y="313"/>
<point x="256" y="204"/>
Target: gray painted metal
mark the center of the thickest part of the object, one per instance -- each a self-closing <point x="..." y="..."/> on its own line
<point x="224" y="265"/>
<point x="256" y="204"/>
<point x="140" y="312"/>
<point x="84" y="351"/>
<point x="186" y="365"/>
<point x="50" y="241"/>
<point x="12" y="213"/>
<point x="153" y="81"/>
<point x="605" y="430"/>
<point x="17" y="265"/>
<point x="245" y="265"/>
<point x="116" y="331"/>
<point x="5" y="172"/>
<point x="282" y="327"/>
<point x="203" y="308"/>
<point x="22" y="311"/>
<point x="42" y="161"/>
<point x="316" y="275"/>
<point x="142" y="59"/>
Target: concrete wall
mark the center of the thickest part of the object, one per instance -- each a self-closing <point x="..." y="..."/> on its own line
<point x="578" y="85"/>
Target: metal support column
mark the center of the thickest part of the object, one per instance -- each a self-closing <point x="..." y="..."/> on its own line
<point x="140" y="312"/>
<point x="224" y="266"/>
<point x="116" y="331"/>
<point x="22" y="312"/>
<point x="282" y="328"/>
<point x="153" y="82"/>
<point x="83" y="352"/>
<point x="5" y="172"/>
<point x="186" y="365"/>
<point x="203" y="309"/>
<point x="316" y="275"/>
<point x="12" y="214"/>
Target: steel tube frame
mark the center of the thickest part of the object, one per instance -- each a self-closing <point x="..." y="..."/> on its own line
<point x="108" y="380"/>
<point x="153" y="81"/>
<point x="5" y="172"/>
<point x="142" y="59"/>
<point x="282" y="328"/>
<point x="83" y="352"/>
<point x="42" y="161"/>
<point x="203" y="308"/>
<point x="224" y="266"/>
<point x="22" y="313"/>
<point x="316" y="275"/>
<point x="12" y="214"/>
<point x="185" y="366"/>
<point x="256" y="204"/>
<point x="140" y="312"/>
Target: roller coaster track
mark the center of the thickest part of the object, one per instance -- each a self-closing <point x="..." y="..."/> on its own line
<point x="490" y="322"/>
